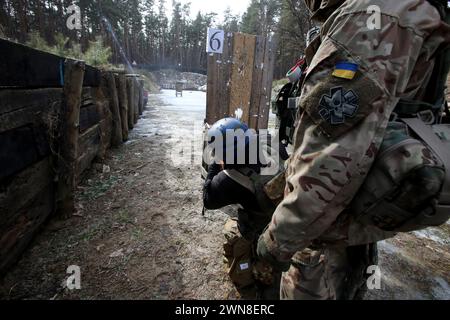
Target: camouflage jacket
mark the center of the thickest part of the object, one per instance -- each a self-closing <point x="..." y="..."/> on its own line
<point x="342" y="121"/>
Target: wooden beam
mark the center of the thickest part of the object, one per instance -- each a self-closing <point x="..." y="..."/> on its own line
<point x="73" y="84"/>
<point x="141" y="97"/>
<point x="89" y="145"/>
<point x="25" y="67"/>
<point x="258" y="67"/>
<point x="23" y="107"/>
<point x="105" y="123"/>
<point x="136" y="99"/>
<point x="89" y="116"/>
<point x="265" y="98"/>
<point x="20" y="231"/>
<point x="116" y="137"/>
<point x="123" y="104"/>
<point x="13" y="99"/>
<point x="22" y="147"/>
<point x="211" y="101"/>
<point x="130" y="94"/>
<point x="22" y="189"/>
<point x="224" y="76"/>
<point x="242" y="74"/>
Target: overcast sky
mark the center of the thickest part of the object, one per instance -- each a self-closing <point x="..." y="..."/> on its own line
<point x="205" y="6"/>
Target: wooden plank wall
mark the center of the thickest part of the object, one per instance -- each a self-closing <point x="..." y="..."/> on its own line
<point x="218" y="82"/>
<point x="25" y="67"/>
<point x="241" y="78"/>
<point x="30" y="114"/>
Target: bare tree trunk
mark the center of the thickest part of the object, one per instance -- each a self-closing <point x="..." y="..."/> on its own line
<point x="40" y="18"/>
<point x="21" y="9"/>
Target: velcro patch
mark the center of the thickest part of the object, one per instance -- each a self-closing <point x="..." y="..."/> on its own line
<point x="345" y="70"/>
<point x="336" y="104"/>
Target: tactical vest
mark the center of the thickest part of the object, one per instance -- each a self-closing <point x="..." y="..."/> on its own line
<point x="408" y="187"/>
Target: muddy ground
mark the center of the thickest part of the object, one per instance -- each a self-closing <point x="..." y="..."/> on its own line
<point x="139" y="232"/>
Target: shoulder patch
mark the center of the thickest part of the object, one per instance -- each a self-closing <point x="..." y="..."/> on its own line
<point x="337" y="104"/>
<point x="345" y="70"/>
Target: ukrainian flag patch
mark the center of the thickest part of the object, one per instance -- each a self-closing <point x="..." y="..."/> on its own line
<point x="345" y="70"/>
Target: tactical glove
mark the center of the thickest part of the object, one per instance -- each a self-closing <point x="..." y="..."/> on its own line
<point x="264" y="254"/>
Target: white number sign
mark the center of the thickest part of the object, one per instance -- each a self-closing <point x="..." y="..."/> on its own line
<point x="214" y="43"/>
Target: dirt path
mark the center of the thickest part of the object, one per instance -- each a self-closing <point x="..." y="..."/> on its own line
<point x="139" y="232"/>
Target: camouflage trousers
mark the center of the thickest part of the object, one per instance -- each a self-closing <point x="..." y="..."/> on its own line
<point x="331" y="273"/>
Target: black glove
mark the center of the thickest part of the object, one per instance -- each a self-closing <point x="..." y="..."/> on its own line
<point x="264" y="254"/>
<point x="213" y="170"/>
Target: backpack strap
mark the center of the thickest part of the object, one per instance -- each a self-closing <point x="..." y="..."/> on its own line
<point x="257" y="182"/>
<point x="426" y="133"/>
<point x="408" y="107"/>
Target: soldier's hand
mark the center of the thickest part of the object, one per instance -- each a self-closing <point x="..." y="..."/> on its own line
<point x="264" y="254"/>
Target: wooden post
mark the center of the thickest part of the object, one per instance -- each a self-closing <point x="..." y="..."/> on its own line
<point x="130" y="91"/>
<point x="73" y="85"/>
<point x="257" y="85"/>
<point x="116" y="136"/>
<point x="141" y="97"/>
<point x="104" y="111"/>
<point x="266" y="92"/>
<point x="136" y="99"/>
<point x="242" y="75"/>
<point x="123" y="104"/>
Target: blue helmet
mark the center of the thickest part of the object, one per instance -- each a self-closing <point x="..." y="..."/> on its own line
<point x="226" y="124"/>
<point x="221" y="128"/>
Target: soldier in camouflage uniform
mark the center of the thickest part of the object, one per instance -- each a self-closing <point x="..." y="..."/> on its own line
<point x="342" y="120"/>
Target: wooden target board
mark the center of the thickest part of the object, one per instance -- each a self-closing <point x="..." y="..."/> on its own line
<point x="240" y="79"/>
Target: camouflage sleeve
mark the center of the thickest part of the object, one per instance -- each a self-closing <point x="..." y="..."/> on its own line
<point x="343" y="116"/>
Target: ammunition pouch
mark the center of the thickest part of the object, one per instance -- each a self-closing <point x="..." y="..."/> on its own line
<point x="243" y="267"/>
<point x="238" y="253"/>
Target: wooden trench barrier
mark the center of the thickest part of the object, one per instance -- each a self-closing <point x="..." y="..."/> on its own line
<point x="57" y="116"/>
